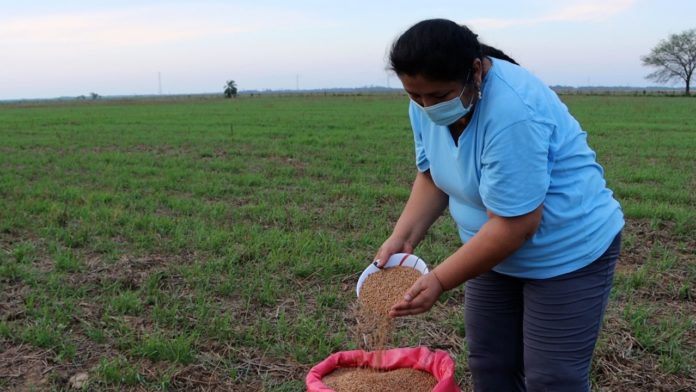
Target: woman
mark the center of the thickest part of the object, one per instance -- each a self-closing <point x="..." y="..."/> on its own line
<point x="540" y="229"/>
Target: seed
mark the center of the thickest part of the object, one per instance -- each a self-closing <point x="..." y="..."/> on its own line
<point x="385" y="288"/>
<point x="369" y="380"/>
<point x="379" y="293"/>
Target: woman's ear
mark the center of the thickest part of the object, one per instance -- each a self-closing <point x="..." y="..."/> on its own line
<point x="478" y="71"/>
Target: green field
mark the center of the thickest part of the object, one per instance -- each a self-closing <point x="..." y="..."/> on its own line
<point x="215" y="244"/>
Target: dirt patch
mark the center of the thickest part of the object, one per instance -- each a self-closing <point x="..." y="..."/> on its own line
<point x="12" y="298"/>
<point x="621" y="365"/>
<point x="299" y="166"/>
<point x="646" y="235"/>
<point x="24" y="367"/>
<point x="198" y="378"/>
<point x="130" y="271"/>
<point x="250" y="366"/>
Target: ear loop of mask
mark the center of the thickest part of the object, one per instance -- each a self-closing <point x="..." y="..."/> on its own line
<point x="478" y="87"/>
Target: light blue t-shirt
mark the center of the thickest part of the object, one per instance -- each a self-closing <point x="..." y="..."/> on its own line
<point x="522" y="148"/>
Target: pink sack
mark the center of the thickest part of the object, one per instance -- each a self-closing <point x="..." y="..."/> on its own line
<point x="438" y="363"/>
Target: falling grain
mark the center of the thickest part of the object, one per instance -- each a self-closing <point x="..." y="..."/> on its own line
<point x="378" y="294"/>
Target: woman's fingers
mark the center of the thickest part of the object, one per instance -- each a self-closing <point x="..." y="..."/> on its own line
<point x="419" y="298"/>
<point x="407" y="312"/>
<point x="405" y="308"/>
<point x="391" y="246"/>
<point x="413" y="301"/>
<point x="415" y="290"/>
<point x="381" y="257"/>
<point x="380" y="261"/>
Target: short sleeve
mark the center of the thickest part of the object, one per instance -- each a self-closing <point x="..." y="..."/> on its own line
<point x="515" y="168"/>
<point x="422" y="161"/>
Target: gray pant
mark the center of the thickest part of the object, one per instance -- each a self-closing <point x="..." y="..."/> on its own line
<point x="537" y="334"/>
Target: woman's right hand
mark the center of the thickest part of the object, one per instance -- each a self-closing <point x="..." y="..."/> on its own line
<point x="391" y="246"/>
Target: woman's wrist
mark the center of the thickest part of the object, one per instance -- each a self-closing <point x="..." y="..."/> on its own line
<point x="442" y="286"/>
<point x="406" y="239"/>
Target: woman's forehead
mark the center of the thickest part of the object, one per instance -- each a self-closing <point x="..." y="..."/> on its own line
<point x="422" y="85"/>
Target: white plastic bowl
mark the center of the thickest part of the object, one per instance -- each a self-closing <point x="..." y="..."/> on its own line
<point x="396" y="260"/>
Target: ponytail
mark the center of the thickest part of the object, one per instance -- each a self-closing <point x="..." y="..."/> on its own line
<point x="496" y="53"/>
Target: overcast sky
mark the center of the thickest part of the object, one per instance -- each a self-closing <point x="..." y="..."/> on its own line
<point x="70" y="48"/>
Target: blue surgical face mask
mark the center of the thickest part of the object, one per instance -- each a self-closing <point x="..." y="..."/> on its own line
<point x="446" y="113"/>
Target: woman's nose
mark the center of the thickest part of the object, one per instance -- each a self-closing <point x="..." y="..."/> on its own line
<point x="428" y="102"/>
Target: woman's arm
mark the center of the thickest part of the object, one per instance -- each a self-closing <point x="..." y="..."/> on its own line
<point x="425" y="204"/>
<point x="497" y="239"/>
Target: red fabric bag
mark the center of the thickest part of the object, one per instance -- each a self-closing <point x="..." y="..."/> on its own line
<point x="438" y="363"/>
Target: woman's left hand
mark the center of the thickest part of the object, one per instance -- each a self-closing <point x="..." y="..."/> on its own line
<point x="420" y="297"/>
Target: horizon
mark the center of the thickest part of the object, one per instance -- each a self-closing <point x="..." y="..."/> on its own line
<point x="183" y="47"/>
<point x="356" y="90"/>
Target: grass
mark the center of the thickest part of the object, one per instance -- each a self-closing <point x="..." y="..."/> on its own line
<point x="118" y="372"/>
<point x="178" y="349"/>
<point x="181" y="244"/>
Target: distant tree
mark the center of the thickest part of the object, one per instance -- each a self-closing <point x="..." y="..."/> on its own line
<point x="230" y="89"/>
<point x="675" y="59"/>
<point x="94" y="95"/>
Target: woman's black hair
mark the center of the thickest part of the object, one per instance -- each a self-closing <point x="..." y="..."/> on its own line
<point x="439" y="49"/>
